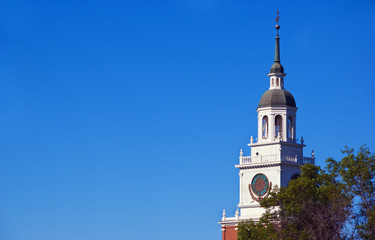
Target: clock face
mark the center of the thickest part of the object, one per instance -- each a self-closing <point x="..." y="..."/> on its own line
<point x="260" y="185"/>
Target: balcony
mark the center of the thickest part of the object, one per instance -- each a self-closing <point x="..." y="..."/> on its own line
<point x="274" y="158"/>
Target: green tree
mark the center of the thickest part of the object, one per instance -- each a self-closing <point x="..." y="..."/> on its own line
<point x="262" y="230"/>
<point x="357" y="173"/>
<point x="313" y="206"/>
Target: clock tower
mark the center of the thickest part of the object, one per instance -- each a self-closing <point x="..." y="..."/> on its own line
<point x="276" y="154"/>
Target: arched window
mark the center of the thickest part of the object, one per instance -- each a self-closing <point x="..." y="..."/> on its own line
<point x="278" y="125"/>
<point x="290" y="127"/>
<point x="277" y="81"/>
<point x="273" y="82"/>
<point x="265" y="127"/>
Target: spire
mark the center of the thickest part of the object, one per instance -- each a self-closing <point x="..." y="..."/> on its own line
<point x="277" y="67"/>
<point x="277" y="49"/>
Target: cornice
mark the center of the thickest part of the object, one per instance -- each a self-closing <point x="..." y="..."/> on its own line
<point x="268" y="165"/>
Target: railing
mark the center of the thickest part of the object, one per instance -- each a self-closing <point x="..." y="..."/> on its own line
<point x="245" y="160"/>
<point x="291" y="158"/>
<point x="276" y="158"/>
<point x="308" y="160"/>
<point x="260" y="158"/>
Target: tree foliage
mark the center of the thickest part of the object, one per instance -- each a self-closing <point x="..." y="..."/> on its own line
<point x="357" y="173"/>
<point x="337" y="202"/>
<point x="313" y="206"/>
<point x="262" y="230"/>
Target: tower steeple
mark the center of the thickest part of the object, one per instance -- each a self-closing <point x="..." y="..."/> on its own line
<point x="277" y="67"/>
<point x="276" y="155"/>
<point x="277" y="49"/>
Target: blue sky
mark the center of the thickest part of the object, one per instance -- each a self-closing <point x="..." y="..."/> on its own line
<point x="123" y="120"/>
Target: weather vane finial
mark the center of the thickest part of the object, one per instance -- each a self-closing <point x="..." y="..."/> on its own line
<point x="277" y="22"/>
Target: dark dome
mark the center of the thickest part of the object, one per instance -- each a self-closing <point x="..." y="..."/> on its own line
<point x="277" y="68"/>
<point x="277" y="98"/>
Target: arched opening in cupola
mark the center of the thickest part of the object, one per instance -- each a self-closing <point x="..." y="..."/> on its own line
<point x="265" y="127"/>
<point x="290" y="128"/>
<point x="278" y="125"/>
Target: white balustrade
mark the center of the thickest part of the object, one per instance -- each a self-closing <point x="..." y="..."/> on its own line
<point x="246" y="160"/>
<point x="291" y="158"/>
<point x="308" y="160"/>
<point x="275" y="158"/>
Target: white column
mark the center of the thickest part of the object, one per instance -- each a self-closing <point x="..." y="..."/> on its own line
<point x="271" y="130"/>
<point x="259" y="127"/>
<point x="295" y="127"/>
<point x="284" y="127"/>
<point x="241" y="193"/>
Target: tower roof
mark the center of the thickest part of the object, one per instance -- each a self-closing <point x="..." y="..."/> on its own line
<point x="277" y="98"/>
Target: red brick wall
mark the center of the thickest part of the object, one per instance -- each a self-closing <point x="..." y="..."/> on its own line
<point x="229" y="233"/>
